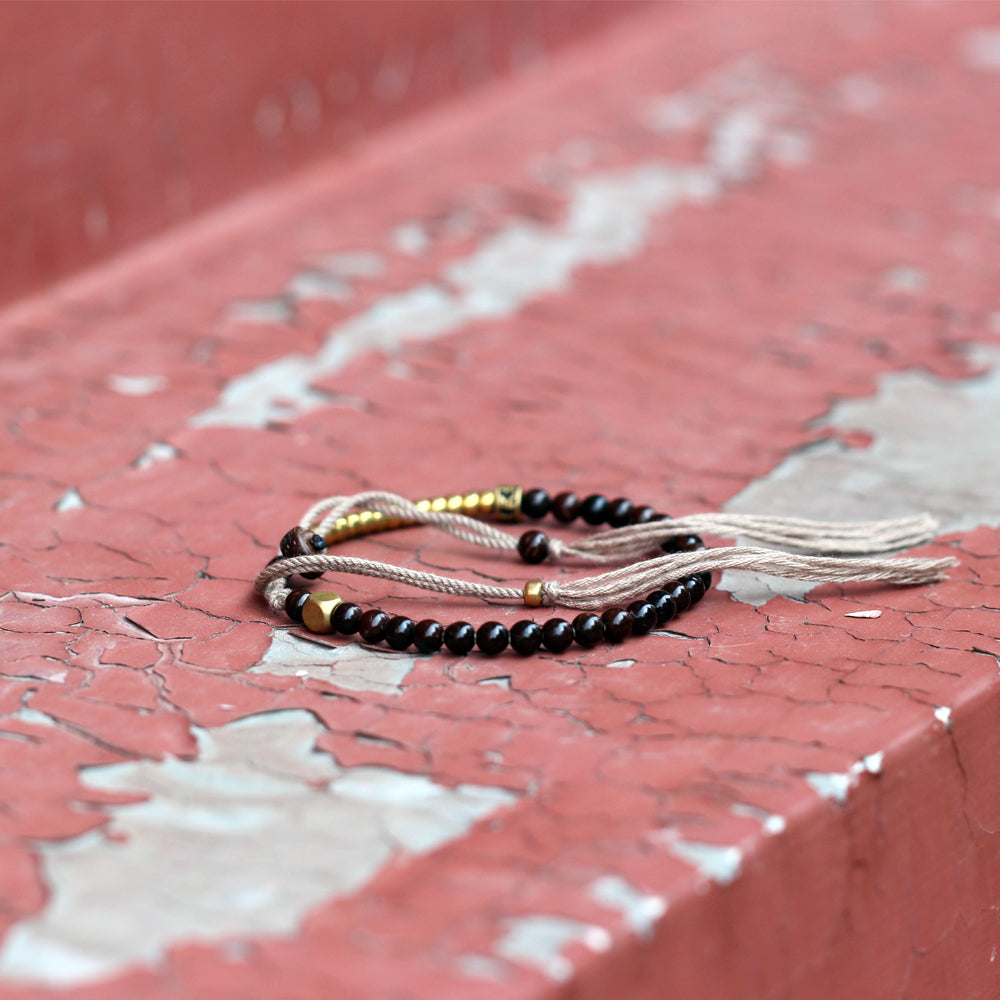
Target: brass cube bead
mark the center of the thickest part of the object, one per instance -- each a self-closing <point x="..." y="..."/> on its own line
<point x="533" y="593"/>
<point x="508" y="503"/>
<point x="318" y="608"/>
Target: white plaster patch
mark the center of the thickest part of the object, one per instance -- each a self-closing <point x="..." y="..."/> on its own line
<point x="943" y="715"/>
<point x="318" y="285"/>
<point x="137" y="385"/>
<point x="158" y="451"/>
<point x="538" y="941"/>
<point x="718" y="863"/>
<point x="871" y="613"/>
<point x="934" y="449"/>
<point x="859" y="93"/>
<point x="771" y="823"/>
<point x="70" y="500"/>
<point x="747" y="111"/>
<point x="831" y="785"/>
<point x="244" y="840"/>
<point x="640" y="910"/>
<point x="350" y="666"/>
<point x="980" y="48"/>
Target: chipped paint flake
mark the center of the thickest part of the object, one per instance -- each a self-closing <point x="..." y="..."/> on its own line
<point x="715" y="862"/>
<point x="246" y="839"/>
<point x="640" y="910"/>
<point x="943" y="715"/>
<point x="158" y="451"/>
<point x="70" y="500"/>
<point x="537" y="941"/>
<point x="871" y="613"/>
<point x="137" y="385"/>
<point x="771" y="823"/>
<point x="350" y="666"/>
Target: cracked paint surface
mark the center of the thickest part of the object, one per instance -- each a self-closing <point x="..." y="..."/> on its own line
<point x="519" y="290"/>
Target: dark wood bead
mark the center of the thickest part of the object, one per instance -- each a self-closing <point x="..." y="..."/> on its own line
<point x="617" y="624"/>
<point x="373" y="625"/>
<point x="594" y="509"/>
<point x="566" y="507"/>
<point x="695" y="587"/>
<point x="620" y="512"/>
<point x="399" y="632"/>
<point x="302" y="542"/>
<point x="346" y="618"/>
<point x="428" y="636"/>
<point x="706" y="578"/>
<point x="588" y="629"/>
<point x="492" y="638"/>
<point x="683" y="543"/>
<point x="643" y="515"/>
<point x="535" y="503"/>
<point x="664" y="605"/>
<point x="557" y="635"/>
<point x="681" y="596"/>
<point x="460" y="637"/>
<point x="293" y="604"/>
<point x="525" y="637"/>
<point x="643" y="617"/>
<point x="533" y="546"/>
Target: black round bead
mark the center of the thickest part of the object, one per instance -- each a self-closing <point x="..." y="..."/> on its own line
<point x="533" y="546"/>
<point x="594" y="509"/>
<point x="566" y="507"/>
<point x="683" y="543"/>
<point x="706" y="578"/>
<point x="399" y="632"/>
<point x="557" y="635"/>
<point x="643" y="617"/>
<point x="294" y="602"/>
<point x="588" y="630"/>
<point x="460" y="637"/>
<point x="620" y="512"/>
<point x="695" y="587"/>
<point x="346" y="618"/>
<point x="681" y="596"/>
<point x="535" y="503"/>
<point x="428" y="636"/>
<point x="492" y="638"/>
<point x="664" y="605"/>
<point x="643" y="515"/>
<point x="373" y="625"/>
<point x="617" y="624"/>
<point x="525" y="637"/>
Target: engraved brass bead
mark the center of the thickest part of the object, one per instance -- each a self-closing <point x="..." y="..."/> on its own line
<point x="533" y="593"/>
<point x="508" y="503"/>
<point x="318" y="608"/>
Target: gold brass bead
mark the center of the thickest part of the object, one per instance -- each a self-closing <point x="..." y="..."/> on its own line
<point x="455" y="503"/>
<point x="353" y="520"/>
<point x="487" y="501"/>
<point x="317" y="609"/>
<point x="508" y="504"/>
<point x="470" y="504"/>
<point x="423" y="505"/>
<point x="533" y="593"/>
<point x="439" y="505"/>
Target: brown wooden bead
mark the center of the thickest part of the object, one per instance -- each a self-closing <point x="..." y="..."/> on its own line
<point x="428" y="636"/>
<point x="373" y="623"/>
<point x="533" y="546"/>
<point x="293" y="604"/>
<point x="617" y="624"/>
<point x="302" y="542"/>
<point x="566" y="507"/>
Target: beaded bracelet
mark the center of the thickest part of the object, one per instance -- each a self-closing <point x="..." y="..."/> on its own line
<point x="325" y="612"/>
<point x="663" y="567"/>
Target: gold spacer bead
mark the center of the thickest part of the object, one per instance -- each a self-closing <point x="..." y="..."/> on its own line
<point x="508" y="506"/>
<point x="423" y="505"/>
<point x="317" y="609"/>
<point x="533" y="593"/>
<point x="470" y="504"/>
<point x="439" y="505"/>
<point x="455" y="502"/>
<point x="487" y="501"/>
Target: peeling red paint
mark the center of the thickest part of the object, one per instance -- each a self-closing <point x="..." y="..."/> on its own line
<point x="676" y="376"/>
